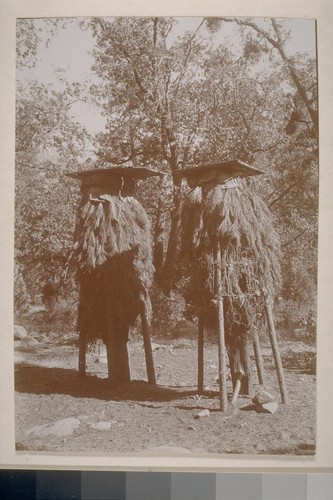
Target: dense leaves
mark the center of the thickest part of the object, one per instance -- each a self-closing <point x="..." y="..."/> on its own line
<point x="48" y="143"/>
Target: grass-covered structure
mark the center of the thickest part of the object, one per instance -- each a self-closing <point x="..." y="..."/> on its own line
<point x="113" y="260"/>
<point x="233" y="252"/>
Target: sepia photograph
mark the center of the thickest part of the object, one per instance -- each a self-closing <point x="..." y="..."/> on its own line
<point x="166" y="236"/>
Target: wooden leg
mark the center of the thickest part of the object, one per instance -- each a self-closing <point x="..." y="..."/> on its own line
<point x="246" y="386"/>
<point x="147" y="344"/>
<point x="245" y="389"/>
<point x="110" y="360"/>
<point x="258" y="358"/>
<point x="237" y="388"/>
<point x="82" y="327"/>
<point x="220" y="327"/>
<point x="275" y="349"/>
<point x="82" y="354"/>
<point x="201" y="332"/>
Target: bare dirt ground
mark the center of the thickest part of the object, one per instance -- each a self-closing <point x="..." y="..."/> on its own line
<point x="138" y="418"/>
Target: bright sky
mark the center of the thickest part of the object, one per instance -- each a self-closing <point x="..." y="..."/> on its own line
<point x="70" y="52"/>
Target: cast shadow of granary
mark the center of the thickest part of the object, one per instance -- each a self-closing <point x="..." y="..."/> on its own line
<point x="33" y="379"/>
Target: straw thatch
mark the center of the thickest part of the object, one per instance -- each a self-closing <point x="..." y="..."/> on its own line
<point x="114" y="264"/>
<point x="235" y="216"/>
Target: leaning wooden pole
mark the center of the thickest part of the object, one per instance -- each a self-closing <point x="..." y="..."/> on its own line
<point x="275" y="349"/>
<point x="220" y="327"/>
<point x="147" y="344"/>
<point x="258" y="358"/>
<point x="200" y="355"/>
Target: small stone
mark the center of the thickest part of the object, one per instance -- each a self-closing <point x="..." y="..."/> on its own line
<point x="101" y="426"/>
<point x="267" y="407"/>
<point x="59" y="428"/>
<point x="191" y="428"/>
<point x="202" y="414"/>
<point x="30" y="342"/>
<point x="262" y="397"/>
<point x="19" y="332"/>
<point x="155" y="347"/>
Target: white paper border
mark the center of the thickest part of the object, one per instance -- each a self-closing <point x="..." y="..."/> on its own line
<point x="322" y="11"/>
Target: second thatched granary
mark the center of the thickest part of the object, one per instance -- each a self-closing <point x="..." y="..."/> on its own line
<point x="233" y="252"/>
<point x="113" y="260"/>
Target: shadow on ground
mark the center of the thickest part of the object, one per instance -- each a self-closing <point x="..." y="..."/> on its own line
<point x="34" y="379"/>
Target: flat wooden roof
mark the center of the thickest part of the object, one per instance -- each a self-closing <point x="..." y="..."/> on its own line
<point x="134" y="172"/>
<point x="233" y="167"/>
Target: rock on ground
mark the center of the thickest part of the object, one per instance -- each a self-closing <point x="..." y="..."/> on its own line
<point x="19" y="332"/>
<point x="59" y="428"/>
<point x="101" y="426"/>
<point x="202" y="414"/>
<point x="267" y="407"/>
<point x="29" y="342"/>
<point x="262" y="397"/>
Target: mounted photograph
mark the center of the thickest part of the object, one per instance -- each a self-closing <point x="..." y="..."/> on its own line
<point x="166" y="236"/>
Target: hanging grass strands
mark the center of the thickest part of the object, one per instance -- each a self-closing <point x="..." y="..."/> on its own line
<point x="250" y="246"/>
<point x="113" y="257"/>
<point x="224" y="218"/>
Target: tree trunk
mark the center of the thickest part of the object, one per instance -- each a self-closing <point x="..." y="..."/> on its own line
<point x="159" y="229"/>
<point x="168" y="268"/>
<point x="117" y="354"/>
<point x="118" y="362"/>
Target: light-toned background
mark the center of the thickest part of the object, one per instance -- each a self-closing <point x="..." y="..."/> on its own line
<point x="322" y="11"/>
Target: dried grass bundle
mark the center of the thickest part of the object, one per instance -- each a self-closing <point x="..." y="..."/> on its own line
<point x="114" y="263"/>
<point x="241" y="222"/>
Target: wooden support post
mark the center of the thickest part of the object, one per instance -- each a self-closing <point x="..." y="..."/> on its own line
<point x="110" y="359"/>
<point x="220" y="327"/>
<point x="246" y="382"/>
<point x="200" y="355"/>
<point x="147" y="344"/>
<point x="237" y="388"/>
<point x="82" y="353"/>
<point x="275" y="349"/>
<point x="258" y="358"/>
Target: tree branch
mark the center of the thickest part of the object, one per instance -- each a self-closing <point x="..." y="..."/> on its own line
<point x="278" y="45"/>
<point x="283" y="194"/>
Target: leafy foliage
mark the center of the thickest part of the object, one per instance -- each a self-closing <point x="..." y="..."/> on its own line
<point x="171" y="99"/>
<point x="48" y="143"/>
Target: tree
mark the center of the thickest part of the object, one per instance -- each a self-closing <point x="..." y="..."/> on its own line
<point x="171" y="102"/>
<point x="48" y="143"/>
<point x="177" y="102"/>
<point x="257" y="37"/>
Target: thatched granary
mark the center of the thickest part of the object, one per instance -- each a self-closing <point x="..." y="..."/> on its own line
<point x="113" y="258"/>
<point x="233" y="251"/>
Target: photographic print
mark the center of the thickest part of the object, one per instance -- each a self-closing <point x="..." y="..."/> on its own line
<point x="166" y="212"/>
